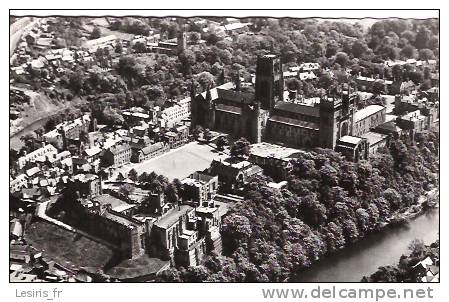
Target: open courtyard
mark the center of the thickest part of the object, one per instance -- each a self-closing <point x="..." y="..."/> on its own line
<point x="177" y="163"/>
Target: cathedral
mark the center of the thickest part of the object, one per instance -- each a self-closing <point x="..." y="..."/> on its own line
<point x="271" y="113"/>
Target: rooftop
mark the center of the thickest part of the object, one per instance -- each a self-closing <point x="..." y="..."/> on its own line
<point x="367" y="111"/>
<point x="272" y="150"/>
<point x="304" y="109"/>
<point x="172" y="216"/>
<point x="374" y="137"/>
<point x="353" y="140"/>
<point x="113" y="201"/>
<point x="294" y="122"/>
<point x="152" y="148"/>
<point x="230" y="109"/>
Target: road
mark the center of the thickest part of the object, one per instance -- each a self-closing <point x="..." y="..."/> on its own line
<point x="15" y="35"/>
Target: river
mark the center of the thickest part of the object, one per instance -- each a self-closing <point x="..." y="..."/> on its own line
<point x="378" y="249"/>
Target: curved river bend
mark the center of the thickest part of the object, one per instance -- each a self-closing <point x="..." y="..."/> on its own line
<point x="379" y="249"/>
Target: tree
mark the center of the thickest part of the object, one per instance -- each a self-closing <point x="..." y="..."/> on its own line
<point x="240" y="148"/>
<point x="50" y="125"/>
<point x="422" y="38"/>
<point x="236" y="228"/>
<point x="207" y="135"/>
<point x="197" y="131"/>
<point x="126" y="189"/>
<point x="118" y="47"/>
<point x="171" y="192"/>
<point x="378" y="88"/>
<point x="29" y="140"/>
<point x="212" y="39"/>
<point x="359" y="48"/>
<point x="342" y="58"/>
<point x="206" y="79"/>
<point x="221" y="142"/>
<point x="76" y="81"/>
<point x="140" y="47"/>
<point x="120" y="177"/>
<point x="132" y="174"/>
<point x="426" y="54"/>
<point x="408" y="51"/>
<point x="96" y="33"/>
<point x="294" y="84"/>
<point x="142" y="177"/>
<point x="417" y="247"/>
<point x="194" y="37"/>
<point x="169" y="275"/>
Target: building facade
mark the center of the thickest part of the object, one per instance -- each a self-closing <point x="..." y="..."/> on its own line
<point x="270" y="115"/>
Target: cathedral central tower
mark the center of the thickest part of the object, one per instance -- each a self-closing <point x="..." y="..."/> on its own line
<point x="269" y="81"/>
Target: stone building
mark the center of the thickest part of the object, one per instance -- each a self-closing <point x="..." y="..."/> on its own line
<point x="353" y="148"/>
<point x="233" y="174"/>
<point x="271" y="115"/>
<point x="68" y="131"/>
<point x="117" y="155"/>
<point x="150" y="151"/>
<point x="199" y="187"/>
<point x="39" y="155"/>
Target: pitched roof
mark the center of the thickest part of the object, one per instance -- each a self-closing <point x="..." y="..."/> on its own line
<point x="118" y="148"/>
<point x="367" y="111"/>
<point x="298" y="108"/>
<point x="353" y="140"/>
<point x="228" y="108"/>
<point x="172" y="216"/>
<point x="294" y="122"/>
<point x="151" y="148"/>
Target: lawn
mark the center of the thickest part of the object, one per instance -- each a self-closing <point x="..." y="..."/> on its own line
<point x="67" y="248"/>
<point x="142" y="267"/>
<point x="178" y="163"/>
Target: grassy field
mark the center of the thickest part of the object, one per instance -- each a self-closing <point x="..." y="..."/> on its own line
<point x="178" y="163"/>
<point x="67" y="248"/>
<point x="134" y="268"/>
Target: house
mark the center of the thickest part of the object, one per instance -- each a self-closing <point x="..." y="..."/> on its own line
<point x="309" y="67"/>
<point x="173" y="115"/>
<point x="274" y="159"/>
<point x="16" y="228"/>
<point x="167" y="229"/>
<point x="92" y="45"/>
<point x="39" y="155"/>
<point x="353" y="148"/>
<point x="19" y="182"/>
<point x="151" y="151"/>
<point x="426" y="271"/>
<point x="375" y="141"/>
<point x="87" y="185"/>
<point x="412" y="122"/>
<point x="117" y="155"/>
<point x="232" y="174"/>
<point x="200" y="187"/>
<point x="177" y="138"/>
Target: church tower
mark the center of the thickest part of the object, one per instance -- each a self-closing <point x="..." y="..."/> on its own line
<point x="269" y="81"/>
<point x="330" y="108"/>
<point x="252" y="122"/>
<point x="210" y="120"/>
<point x="337" y="111"/>
<point x="182" y="41"/>
<point x="193" y="106"/>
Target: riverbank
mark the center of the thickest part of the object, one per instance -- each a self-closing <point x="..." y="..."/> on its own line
<point x="380" y="248"/>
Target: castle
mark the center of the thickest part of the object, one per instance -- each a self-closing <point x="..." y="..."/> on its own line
<point x="272" y="114"/>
